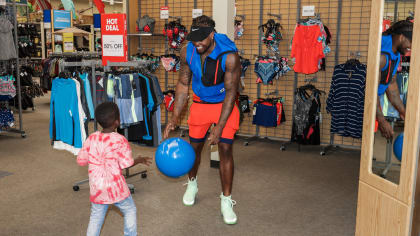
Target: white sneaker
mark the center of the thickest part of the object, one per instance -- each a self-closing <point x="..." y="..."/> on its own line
<point x="226" y="205"/>
<point x="191" y="192"/>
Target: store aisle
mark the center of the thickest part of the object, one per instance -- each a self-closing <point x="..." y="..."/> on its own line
<point x="278" y="193"/>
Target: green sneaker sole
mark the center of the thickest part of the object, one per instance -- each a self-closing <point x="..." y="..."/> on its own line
<point x="188" y="204"/>
<point x="232" y="223"/>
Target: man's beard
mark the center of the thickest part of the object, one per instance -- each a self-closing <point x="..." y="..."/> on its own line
<point x="205" y="50"/>
<point x="401" y="50"/>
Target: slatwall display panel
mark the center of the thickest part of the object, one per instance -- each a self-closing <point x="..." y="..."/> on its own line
<point x="354" y="40"/>
<point x="358" y="12"/>
<point x="328" y="12"/>
<point x="249" y="46"/>
<point x="287" y="10"/>
<point x="398" y="10"/>
<point x="405" y="9"/>
<point x="285" y="86"/>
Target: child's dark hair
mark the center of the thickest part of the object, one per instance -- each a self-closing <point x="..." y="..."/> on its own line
<point x="106" y="114"/>
<point x="203" y="21"/>
<point x="404" y="27"/>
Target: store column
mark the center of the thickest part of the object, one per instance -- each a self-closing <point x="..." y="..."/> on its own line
<point x="223" y="15"/>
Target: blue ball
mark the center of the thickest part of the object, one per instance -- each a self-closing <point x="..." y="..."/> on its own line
<point x="398" y="146"/>
<point x="175" y="157"/>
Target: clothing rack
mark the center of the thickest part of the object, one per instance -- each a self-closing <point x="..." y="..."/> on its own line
<point x="136" y="64"/>
<point x="76" y="54"/>
<point x="83" y="64"/>
<point x="19" y="90"/>
<point x="93" y="64"/>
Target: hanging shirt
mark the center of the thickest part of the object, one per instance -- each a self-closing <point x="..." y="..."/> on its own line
<point x="7" y="45"/>
<point x="307" y="49"/>
<point x="107" y="154"/>
<point x="128" y="99"/>
<point x="346" y="100"/>
<point x="66" y="120"/>
<point x="88" y="94"/>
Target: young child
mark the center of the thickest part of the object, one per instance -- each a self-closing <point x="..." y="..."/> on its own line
<point x="107" y="153"/>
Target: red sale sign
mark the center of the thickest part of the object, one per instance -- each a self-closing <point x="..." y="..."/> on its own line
<point x="114" y="38"/>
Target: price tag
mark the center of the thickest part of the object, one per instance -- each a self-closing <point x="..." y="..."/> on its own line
<point x="308" y="11"/>
<point x="164" y="13"/>
<point x="196" y="13"/>
<point x="113" y="45"/>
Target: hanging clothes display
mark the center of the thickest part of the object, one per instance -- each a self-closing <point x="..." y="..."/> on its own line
<point x="7" y="92"/>
<point x="169" y="99"/>
<point x="171" y="62"/>
<point x="88" y="93"/>
<point x="7" y="87"/>
<point x="307" y="115"/>
<point x="239" y="28"/>
<point x="243" y="104"/>
<point x="138" y="96"/>
<point x="245" y="63"/>
<point x="29" y="89"/>
<point x="146" y="24"/>
<point x="346" y="98"/>
<point x="127" y="97"/>
<point x="150" y="60"/>
<point x="269" y="68"/>
<point x="175" y="32"/>
<point x="7" y="45"/>
<point x="67" y="117"/>
<point x="268" y="112"/>
<point x="101" y="88"/>
<point x="6" y="119"/>
<point x="327" y="42"/>
<point x="309" y="46"/>
<point x="29" y="40"/>
<point x="50" y="71"/>
<point x="271" y="35"/>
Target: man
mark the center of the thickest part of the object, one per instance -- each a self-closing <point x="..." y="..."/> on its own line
<point x="211" y="60"/>
<point x="396" y="41"/>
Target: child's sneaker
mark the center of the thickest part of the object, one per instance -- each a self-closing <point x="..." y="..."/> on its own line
<point x="189" y="195"/>
<point x="227" y="204"/>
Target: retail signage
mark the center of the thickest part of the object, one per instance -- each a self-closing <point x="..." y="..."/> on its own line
<point x="2" y="2"/>
<point x="308" y="11"/>
<point x="47" y="19"/>
<point x="68" y="42"/>
<point x="164" y="13"/>
<point x="97" y="21"/>
<point x="196" y="13"/>
<point x="62" y="19"/>
<point x="114" y="38"/>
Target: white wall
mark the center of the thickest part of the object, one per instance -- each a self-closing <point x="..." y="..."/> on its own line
<point x="224" y="15"/>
